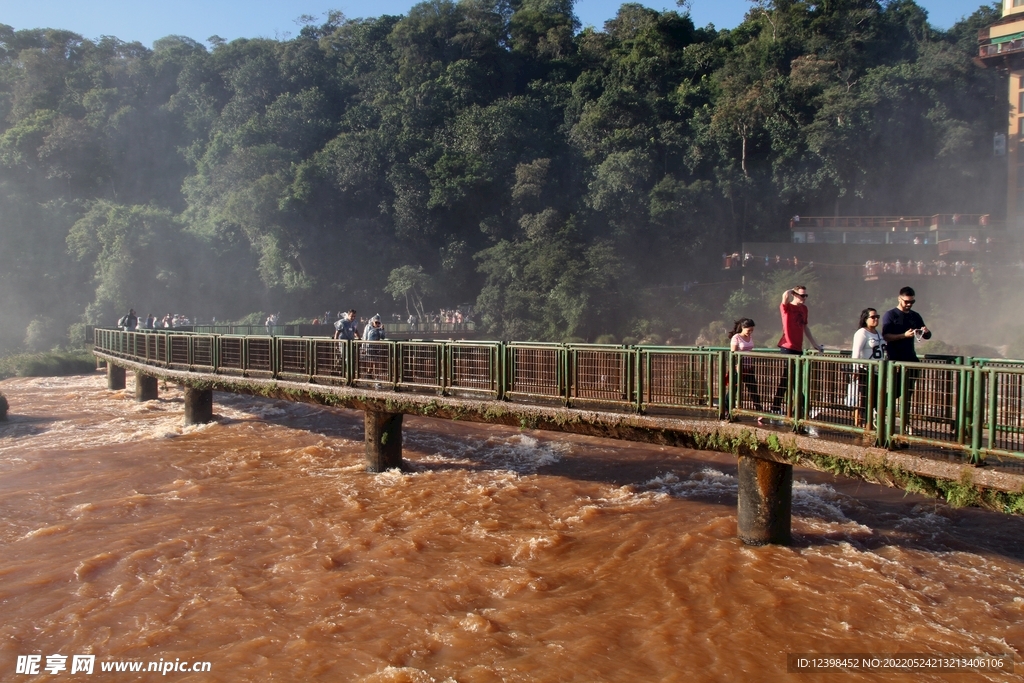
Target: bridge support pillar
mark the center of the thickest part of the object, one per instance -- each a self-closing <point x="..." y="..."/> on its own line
<point x="383" y="441"/>
<point x="765" y="501"/>
<point x="145" y="387"/>
<point x="115" y="377"/>
<point x="198" y="406"/>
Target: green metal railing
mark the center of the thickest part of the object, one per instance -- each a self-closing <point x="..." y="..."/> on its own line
<point x="474" y="369"/>
<point x="842" y="394"/>
<point x="420" y="365"/>
<point x="930" y="403"/>
<point x="765" y="384"/>
<point x="974" y="406"/>
<point x="535" y="372"/>
<point x="680" y="380"/>
<point x="599" y="376"/>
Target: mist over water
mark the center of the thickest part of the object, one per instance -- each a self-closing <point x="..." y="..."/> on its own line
<point x="259" y="544"/>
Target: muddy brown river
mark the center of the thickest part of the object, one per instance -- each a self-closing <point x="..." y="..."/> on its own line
<point x="258" y="548"/>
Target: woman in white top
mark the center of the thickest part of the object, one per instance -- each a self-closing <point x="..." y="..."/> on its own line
<point x="867" y="343"/>
<point x="743" y="340"/>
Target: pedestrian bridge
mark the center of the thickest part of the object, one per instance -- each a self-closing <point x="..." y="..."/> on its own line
<point x="947" y="426"/>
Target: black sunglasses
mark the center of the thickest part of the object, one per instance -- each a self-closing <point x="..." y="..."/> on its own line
<point x="802" y="296"/>
<point x="909" y="302"/>
<point x="874" y="317"/>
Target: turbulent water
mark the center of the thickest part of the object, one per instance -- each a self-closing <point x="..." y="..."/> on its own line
<point x="259" y="545"/>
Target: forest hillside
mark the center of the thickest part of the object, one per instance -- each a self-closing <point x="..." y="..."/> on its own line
<point x="566" y="183"/>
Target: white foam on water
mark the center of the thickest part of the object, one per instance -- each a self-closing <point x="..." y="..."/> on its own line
<point x="923" y="522"/>
<point x="518" y="453"/>
<point x="817" y="505"/>
<point x="392" y="674"/>
<point x="707" y="483"/>
<point x="818" y="500"/>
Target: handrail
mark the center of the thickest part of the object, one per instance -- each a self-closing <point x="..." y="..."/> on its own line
<point x="974" y="405"/>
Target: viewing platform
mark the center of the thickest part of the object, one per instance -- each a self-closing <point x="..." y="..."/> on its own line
<point x="867" y="245"/>
<point x="961" y="413"/>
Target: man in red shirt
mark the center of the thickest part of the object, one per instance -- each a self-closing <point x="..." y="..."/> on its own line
<point x="794" y="329"/>
<point x="794" y="322"/>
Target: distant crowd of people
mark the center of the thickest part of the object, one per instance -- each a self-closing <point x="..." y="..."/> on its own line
<point x="131" y="321"/>
<point x="872" y="269"/>
<point x="911" y="267"/>
<point x="748" y="260"/>
<point x="448" y="316"/>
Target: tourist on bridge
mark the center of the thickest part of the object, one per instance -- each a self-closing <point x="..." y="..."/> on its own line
<point x="376" y="354"/>
<point x="374" y="329"/>
<point x="347" y="327"/>
<point x="901" y="327"/>
<point x="795" y="321"/>
<point x="868" y="343"/>
<point x="795" y="328"/>
<point x="743" y="340"/>
<point x="129" y="322"/>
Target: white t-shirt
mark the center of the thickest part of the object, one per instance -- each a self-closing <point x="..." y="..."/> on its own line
<point x="868" y="344"/>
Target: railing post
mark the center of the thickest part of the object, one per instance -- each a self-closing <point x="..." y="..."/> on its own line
<point x="723" y="366"/>
<point x="643" y="377"/>
<point x="978" y="413"/>
<point x="566" y="363"/>
<point x="993" y="408"/>
<point x="878" y="373"/>
<point x="637" y="379"/>
<point x="732" y="394"/>
<point x="275" y="357"/>
<point x="964" y="406"/>
<point x="890" y="403"/>
<point x="801" y="389"/>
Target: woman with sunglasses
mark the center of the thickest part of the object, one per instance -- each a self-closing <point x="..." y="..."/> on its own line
<point x="868" y="343"/>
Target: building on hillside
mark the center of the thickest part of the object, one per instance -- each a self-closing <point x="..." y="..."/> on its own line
<point x="944" y="245"/>
<point x="875" y="247"/>
<point x="1001" y="46"/>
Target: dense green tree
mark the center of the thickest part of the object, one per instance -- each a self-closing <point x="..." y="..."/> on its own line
<point x="548" y="175"/>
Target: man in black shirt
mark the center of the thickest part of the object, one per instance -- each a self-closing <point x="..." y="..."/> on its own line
<point x="901" y="327"/>
<point x="130" y="321"/>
